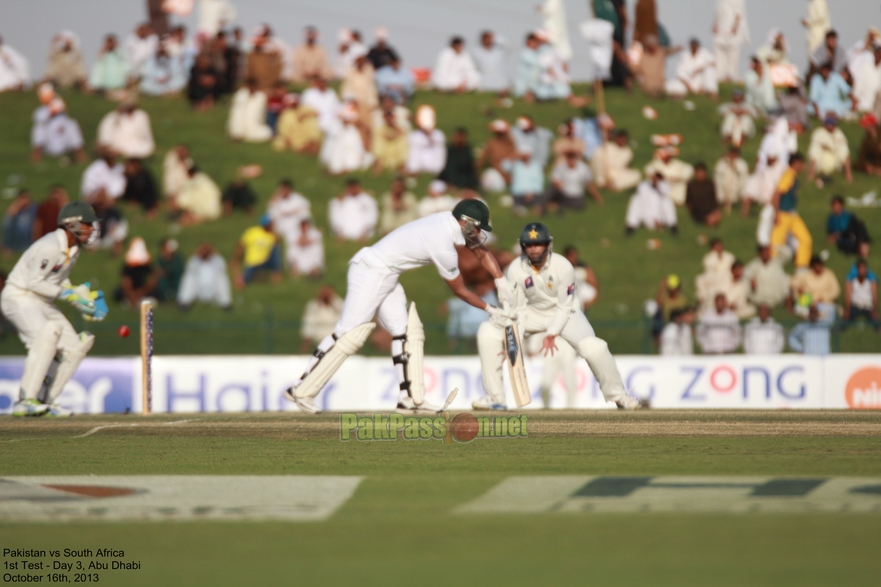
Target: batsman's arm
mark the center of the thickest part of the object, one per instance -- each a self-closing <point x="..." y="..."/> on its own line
<point x="491" y="264"/>
<point x="457" y="285"/>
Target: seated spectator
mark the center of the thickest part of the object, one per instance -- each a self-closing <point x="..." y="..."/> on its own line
<point x="287" y="208"/>
<point x="569" y="179"/>
<point x="463" y="319"/>
<point x="105" y="175"/>
<point x="162" y="74"/>
<point x="861" y="297"/>
<point x="830" y="93"/>
<point x="459" y="170"/>
<point x="381" y="53"/>
<point x="846" y="231"/>
<point x="760" y="92"/>
<point x="56" y="134"/>
<point x="14" y="69"/>
<point x="112" y="225"/>
<point x="652" y="65"/>
<point x="737" y="119"/>
<point x="763" y="335"/>
<point x="395" y="81"/>
<point x="205" y="83"/>
<point x="139" y="46"/>
<point x="275" y="103"/>
<point x="869" y="160"/>
<point x="175" y="171"/>
<point x="611" y="162"/>
<point x="265" y="62"/>
<point x="717" y="261"/>
<point x="829" y="52"/>
<point x="140" y="187"/>
<point x="718" y="331"/>
<point x="171" y="270"/>
<point x="199" y="200"/>
<point x="669" y="297"/>
<point x="768" y="282"/>
<point x="126" y="131"/>
<point x="455" y="71"/>
<point x="819" y="283"/>
<point x="813" y="336"/>
<point x="567" y="140"/>
<point x="490" y="58"/>
<point x="737" y="290"/>
<point x="828" y="153"/>
<point x="390" y="139"/>
<point x="701" y="199"/>
<point x="437" y="200"/>
<point x="320" y="316"/>
<point x="499" y="148"/>
<point x="695" y="73"/>
<point x="343" y="149"/>
<point x="205" y="280"/>
<point x="110" y="71"/>
<point x="359" y="88"/>
<point x="867" y="82"/>
<point x="297" y="128"/>
<point x="761" y="185"/>
<point x="676" y="337"/>
<point x="310" y="60"/>
<point x="651" y="206"/>
<point x="257" y="251"/>
<point x="730" y="176"/>
<point x="323" y="100"/>
<point x="18" y="223"/>
<point x="305" y="251"/>
<point x="46" y="220"/>
<point x="139" y="278"/>
<point x="527" y="181"/>
<point x="586" y="283"/>
<point x="399" y="207"/>
<point x="353" y="215"/>
<point x="528" y="136"/>
<point x="247" y="115"/>
<point x="676" y="172"/>
<point x="794" y="105"/>
<point x="428" y="152"/>
<point x="238" y="195"/>
<point x="543" y="74"/>
<point x="66" y="68"/>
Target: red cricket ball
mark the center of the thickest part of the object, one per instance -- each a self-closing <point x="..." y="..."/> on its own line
<point x="123" y="331"/>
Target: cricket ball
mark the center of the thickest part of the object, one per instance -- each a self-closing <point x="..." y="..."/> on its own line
<point x="464" y="427"/>
<point x="123" y="331"/>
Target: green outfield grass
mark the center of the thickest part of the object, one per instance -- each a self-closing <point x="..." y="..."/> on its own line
<point x="399" y="528"/>
<point x="628" y="272"/>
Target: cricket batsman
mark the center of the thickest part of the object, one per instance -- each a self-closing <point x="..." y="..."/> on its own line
<point x="373" y="289"/>
<point x="542" y="285"/>
<point x="55" y="350"/>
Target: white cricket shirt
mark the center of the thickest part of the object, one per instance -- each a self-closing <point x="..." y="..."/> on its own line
<point x="432" y="239"/>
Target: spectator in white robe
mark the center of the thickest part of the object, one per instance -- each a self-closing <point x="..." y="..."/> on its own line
<point x="305" y="251"/>
<point x="56" y="135"/>
<point x="65" y="67"/>
<point x="110" y="72"/>
<point x="205" y="279"/>
<point x="455" y="70"/>
<point x="139" y="46"/>
<point x="320" y="316"/>
<point x="353" y="215"/>
<point x="127" y="131"/>
<point x="325" y="102"/>
<point x="247" y="115"/>
<point x="104" y="175"/>
<point x="676" y="172"/>
<point x="862" y="52"/>
<point x="351" y="45"/>
<point x="730" y="32"/>
<point x="214" y="16"/>
<point x="554" y="15"/>
<point x="611" y="164"/>
<point x="817" y="23"/>
<point x="867" y="81"/>
<point x="768" y="281"/>
<point x="175" y="171"/>
<point x="650" y="206"/>
<point x="760" y="91"/>
<point x="529" y="70"/>
<point x="437" y="200"/>
<point x="718" y="330"/>
<point x="730" y="176"/>
<point x="15" y="74"/>
<point x="695" y="73"/>
<point x="779" y="142"/>
<point x="428" y="149"/>
<point x="343" y="149"/>
<point x="162" y="74"/>
<point x="287" y="208"/>
<point x="200" y="198"/>
<point x="676" y="337"/>
<point x="554" y="79"/>
<point x="763" y="335"/>
<point x="491" y="60"/>
<point x="828" y="152"/>
<point x="738" y="119"/>
<point x="736" y="289"/>
<point x="528" y="136"/>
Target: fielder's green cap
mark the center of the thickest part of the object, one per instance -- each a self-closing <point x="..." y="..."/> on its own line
<point x="474" y="210"/>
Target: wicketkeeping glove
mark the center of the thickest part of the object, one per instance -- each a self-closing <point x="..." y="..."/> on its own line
<point x="101" y="308"/>
<point x="83" y="299"/>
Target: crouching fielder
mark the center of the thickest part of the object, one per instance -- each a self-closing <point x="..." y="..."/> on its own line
<point x="55" y="350"/>
<point x="373" y="289"/>
<point x="542" y="283"/>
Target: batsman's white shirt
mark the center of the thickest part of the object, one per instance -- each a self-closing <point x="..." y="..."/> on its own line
<point x="34" y="283"/>
<point x="373" y="287"/>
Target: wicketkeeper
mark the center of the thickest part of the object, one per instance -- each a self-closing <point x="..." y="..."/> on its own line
<point x="55" y="350"/>
<point x="542" y="285"/>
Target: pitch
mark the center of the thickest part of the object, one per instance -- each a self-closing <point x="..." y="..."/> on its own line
<point x="273" y="499"/>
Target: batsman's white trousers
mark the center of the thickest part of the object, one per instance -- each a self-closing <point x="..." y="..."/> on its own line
<point x="578" y="332"/>
<point x="372" y="290"/>
<point x="30" y="313"/>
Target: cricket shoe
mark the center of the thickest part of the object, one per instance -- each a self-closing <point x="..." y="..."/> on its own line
<point x="487" y="403"/>
<point x="406" y="405"/>
<point x="307" y="404"/>
<point x="628" y="402"/>
<point x="56" y="411"/>
<point x="29" y="407"/>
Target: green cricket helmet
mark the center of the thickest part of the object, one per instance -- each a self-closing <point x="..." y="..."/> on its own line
<point x="73" y="215"/>
<point x="475" y="214"/>
<point x="536" y="233"/>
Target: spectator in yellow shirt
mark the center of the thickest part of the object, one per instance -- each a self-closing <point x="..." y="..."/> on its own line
<point x="786" y="219"/>
<point x="258" y="250"/>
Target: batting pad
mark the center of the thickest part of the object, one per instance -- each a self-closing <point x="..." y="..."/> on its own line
<point x="346" y="346"/>
<point x="415" y="349"/>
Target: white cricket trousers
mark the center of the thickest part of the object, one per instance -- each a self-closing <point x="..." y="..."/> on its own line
<point x="30" y="313"/>
<point x="372" y="290"/>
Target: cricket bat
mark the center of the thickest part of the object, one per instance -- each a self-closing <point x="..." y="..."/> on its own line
<point x="516" y="370"/>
